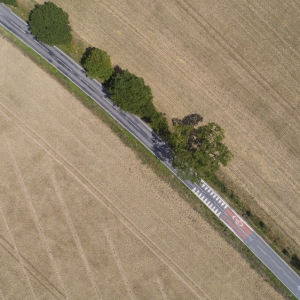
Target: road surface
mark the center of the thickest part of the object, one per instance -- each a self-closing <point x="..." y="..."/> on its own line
<point x="151" y="141"/>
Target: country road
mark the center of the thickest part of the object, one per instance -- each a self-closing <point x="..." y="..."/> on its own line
<point x="152" y="142"/>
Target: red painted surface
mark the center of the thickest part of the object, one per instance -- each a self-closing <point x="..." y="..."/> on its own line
<point x="238" y="230"/>
<point x="245" y="227"/>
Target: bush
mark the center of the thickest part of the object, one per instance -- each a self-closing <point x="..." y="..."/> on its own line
<point x="10" y="2"/>
<point x="295" y="261"/>
<point x="97" y="63"/>
<point x="263" y="226"/>
<point x="286" y="252"/>
<point x="50" y="24"/>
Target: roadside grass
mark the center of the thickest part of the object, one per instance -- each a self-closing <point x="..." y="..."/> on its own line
<point x="146" y="157"/>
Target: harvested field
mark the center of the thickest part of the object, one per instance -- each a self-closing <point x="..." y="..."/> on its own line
<point x="82" y="218"/>
<point x="234" y="62"/>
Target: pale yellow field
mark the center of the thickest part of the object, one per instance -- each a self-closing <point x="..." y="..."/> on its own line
<point x="234" y="62"/>
<point x="82" y="218"/>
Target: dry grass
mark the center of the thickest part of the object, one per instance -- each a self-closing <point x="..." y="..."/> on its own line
<point x="82" y="218"/>
<point x="234" y="62"/>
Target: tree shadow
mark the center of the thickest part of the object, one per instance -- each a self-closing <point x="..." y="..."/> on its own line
<point x="161" y="150"/>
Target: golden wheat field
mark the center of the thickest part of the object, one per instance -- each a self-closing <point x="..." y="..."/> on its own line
<point x="82" y="218"/>
<point x="235" y="63"/>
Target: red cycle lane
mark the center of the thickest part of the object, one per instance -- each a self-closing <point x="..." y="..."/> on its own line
<point x="236" y="224"/>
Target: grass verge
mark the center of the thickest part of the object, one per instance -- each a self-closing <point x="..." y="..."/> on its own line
<point x="147" y="158"/>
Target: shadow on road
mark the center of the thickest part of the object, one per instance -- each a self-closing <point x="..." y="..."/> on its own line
<point x="161" y="150"/>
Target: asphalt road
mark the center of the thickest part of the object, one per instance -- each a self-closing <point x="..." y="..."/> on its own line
<point x="145" y="135"/>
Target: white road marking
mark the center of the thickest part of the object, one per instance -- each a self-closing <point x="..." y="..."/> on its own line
<point x="42" y="46"/>
<point x="19" y="18"/>
<point x="65" y="65"/>
<point x="17" y="26"/>
<point x="1" y="14"/>
<point x="262" y="250"/>
<point x="69" y="58"/>
<point x="218" y="214"/>
<point x="271" y="259"/>
<point x="288" y="276"/>
<point x="132" y="124"/>
<point x="90" y="86"/>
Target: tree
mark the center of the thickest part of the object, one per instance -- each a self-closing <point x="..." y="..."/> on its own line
<point x="10" y="2"/>
<point x="130" y="93"/>
<point x="160" y="126"/>
<point x="97" y="63"/>
<point x="50" y="24"/>
<point x="198" y="152"/>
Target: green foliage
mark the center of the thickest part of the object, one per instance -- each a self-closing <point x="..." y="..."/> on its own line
<point x="286" y="252"/>
<point x="130" y="93"/>
<point x="97" y="63"/>
<point x="198" y="152"/>
<point x="160" y="126"/>
<point x="10" y="2"/>
<point x="50" y="24"/>
<point x="295" y="261"/>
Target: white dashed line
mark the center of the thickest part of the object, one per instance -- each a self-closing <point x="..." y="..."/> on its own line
<point x="132" y="123"/>
<point x="262" y="250"/>
<point x="17" y="26"/>
<point x="90" y="86"/>
<point x="62" y="63"/>
<point x="42" y="46"/>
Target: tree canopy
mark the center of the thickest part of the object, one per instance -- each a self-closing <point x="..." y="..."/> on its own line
<point x="198" y="152"/>
<point x="130" y="93"/>
<point x="50" y="24"/>
<point x="10" y="2"/>
<point x="97" y="63"/>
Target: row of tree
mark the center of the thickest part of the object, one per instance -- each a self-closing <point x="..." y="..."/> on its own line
<point x="197" y="151"/>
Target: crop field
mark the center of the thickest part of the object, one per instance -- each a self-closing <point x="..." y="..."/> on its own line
<point x="82" y="218"/>
<point x="234" y="62"/>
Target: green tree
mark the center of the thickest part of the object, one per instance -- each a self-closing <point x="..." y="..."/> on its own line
<point x="160" y="126"/>
<point x="97" y="63"/>
<point x="130" y="93"/>
<point x="10" y="2"/>
<point x="50" y="24"/>
<point x="198" y="152"/>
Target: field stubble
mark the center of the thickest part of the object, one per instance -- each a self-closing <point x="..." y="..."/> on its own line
<point x="234" y="62"/>
<point x="82" y="218"/>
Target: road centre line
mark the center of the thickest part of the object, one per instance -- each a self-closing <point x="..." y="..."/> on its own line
<point x="132" y="123"/>
<point x="17" y="26"/>
<point x="272" y="260"/>
<point x="90" y="86"/>
<point x="42" y="46"/>
<point x="59" y="60"/>
<point x="69" y="58"/>
<point x="261" y="250"/>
